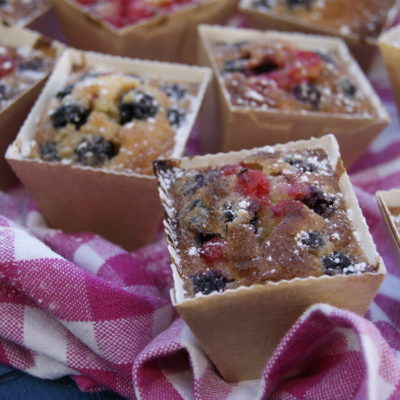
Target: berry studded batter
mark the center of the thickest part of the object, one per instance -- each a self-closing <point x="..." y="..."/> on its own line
<point x="272" y="216"/>
<point x="273" y="74"/>
<point x="113" y="120"/>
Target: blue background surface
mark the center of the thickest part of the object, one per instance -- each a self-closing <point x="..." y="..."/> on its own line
<point x="16" y="385"/>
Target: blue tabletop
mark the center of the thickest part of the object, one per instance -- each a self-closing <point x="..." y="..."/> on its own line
<point x="16" y="385"/>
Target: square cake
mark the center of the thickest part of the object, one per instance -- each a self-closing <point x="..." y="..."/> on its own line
<point x="99" y="123"/>
<point x="277" y="86"/>
<point x="149" y="29"/>
<point x="26" y="60"/>
<point x="359" y="22"/>
<point x="255" y="238"/>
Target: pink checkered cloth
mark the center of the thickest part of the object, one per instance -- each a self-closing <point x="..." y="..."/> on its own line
<point x="81" y="306"/>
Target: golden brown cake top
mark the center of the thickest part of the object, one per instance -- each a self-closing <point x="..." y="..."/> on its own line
<point x="20" y="69"/>
<point x="273" y="74"/>
<point x="273" y="216"/>
<point x="21" y="12"/>
<point x="364" y="18"/>
<point x="118" y="121"/>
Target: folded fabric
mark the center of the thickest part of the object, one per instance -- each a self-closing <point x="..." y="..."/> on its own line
<point x="87" y="308"/>
<point x="78" y="305"/>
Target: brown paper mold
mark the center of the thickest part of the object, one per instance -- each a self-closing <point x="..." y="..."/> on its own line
<point x="121" y="206"/>
<point x="389" y="203"/>
<point x="244" y="127"/>
<point x="363" y="48"/>
<point x="14" y="114"/>
<point x="239" y="328"/>
<point x="389" y="44"/>
<point x="165" y="38"/>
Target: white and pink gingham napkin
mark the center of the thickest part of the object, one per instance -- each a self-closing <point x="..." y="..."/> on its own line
<point x="78" y="305"/>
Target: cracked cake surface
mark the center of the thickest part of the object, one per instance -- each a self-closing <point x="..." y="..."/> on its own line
<point x="271" y="74"/>
<point x="20" y="69"/>
<point x="275" y="215"/>
<point x="364" y="18"/>
<point x="118" y="121"/>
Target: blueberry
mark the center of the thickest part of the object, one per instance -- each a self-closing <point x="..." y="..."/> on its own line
<point x="319" y="202"/>
<point x="193" y="184"/>
<point x="69" y="114"/>
<point x="95" y="151"/>
<point x="204" y="237"/>
<point x="174" y="91"/>
<point x="228" y="214"/>
<point x="32" y="65"/>
<point x="301" y="165"/>
<point x="210" y="281"/>
<point x="197" y="215"/>
<point x="176" y="116"/>
<point x="313" y="240"/>
<point x="137" y="105"/>
<point x="336" y="263"/>
<point x="308" y="93"/>
<point x="299" y="3"/>
<point x="348" y="88"/>
<point x="48" y="151"/>
<point x="264" y="67"/>
<point x="65" y="92"/>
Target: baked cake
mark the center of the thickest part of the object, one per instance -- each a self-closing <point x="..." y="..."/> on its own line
<point x="275" y="74"/>
<point x="256" y="237"/>
<point x="22" y="12"/>
<point x="120" y="14"/>
<point x="20" y="69"/>
<point x="118" y="121"/>
<point x="272" y="216"/>
<point x="363" y="18"/>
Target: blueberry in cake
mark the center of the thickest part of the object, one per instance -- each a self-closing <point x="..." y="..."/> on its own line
<point x="112" y="120"/>
<point x="275" y="74"/>
<point x="274" y="215"/>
